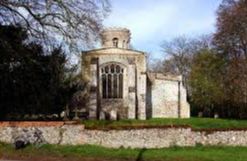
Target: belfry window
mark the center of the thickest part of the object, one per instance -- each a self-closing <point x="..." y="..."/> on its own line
<point x="115" y="42"/>
<point x="112" y="81"/>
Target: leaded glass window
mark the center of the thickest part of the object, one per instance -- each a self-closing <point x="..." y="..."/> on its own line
<point x="112" y="81"/>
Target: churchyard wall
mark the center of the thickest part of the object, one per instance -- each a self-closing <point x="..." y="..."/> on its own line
<point x="138" y="137"/>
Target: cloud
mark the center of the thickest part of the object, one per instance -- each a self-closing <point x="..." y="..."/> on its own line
<point x="151" y="21"/>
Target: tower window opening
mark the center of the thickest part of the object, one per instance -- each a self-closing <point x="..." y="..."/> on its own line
<point x="115" y="42"/>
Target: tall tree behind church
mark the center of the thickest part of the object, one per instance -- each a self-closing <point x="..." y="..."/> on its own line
<point x="231" y="42"/>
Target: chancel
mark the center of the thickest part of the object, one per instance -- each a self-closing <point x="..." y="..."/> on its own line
<point x="120" y="87"/>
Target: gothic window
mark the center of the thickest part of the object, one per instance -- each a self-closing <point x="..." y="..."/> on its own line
<point x="112" y="81"/>
<point x="115" y="42"/>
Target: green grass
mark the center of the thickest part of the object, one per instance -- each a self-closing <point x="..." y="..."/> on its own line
<point x="167" y="154"/>
<point x="196" y="123"/>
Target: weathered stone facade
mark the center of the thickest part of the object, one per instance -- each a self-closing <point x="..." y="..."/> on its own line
<point x="120" y="86"/>
<point x="167" y="96"/>
<point x="128" y="138"/>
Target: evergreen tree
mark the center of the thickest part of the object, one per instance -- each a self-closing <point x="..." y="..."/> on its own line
<point x="31" y="82"/>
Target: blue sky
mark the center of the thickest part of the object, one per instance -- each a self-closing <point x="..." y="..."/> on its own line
<point x="153" y="21"/>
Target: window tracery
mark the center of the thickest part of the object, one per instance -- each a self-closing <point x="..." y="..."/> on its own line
<point x="112" y="81"/>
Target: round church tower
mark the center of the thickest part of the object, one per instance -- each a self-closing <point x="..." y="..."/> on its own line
<point x="115" y="37"/>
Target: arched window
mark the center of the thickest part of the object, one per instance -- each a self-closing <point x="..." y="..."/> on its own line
<point x="115" y="42"/>
<point x="112" y="81"/>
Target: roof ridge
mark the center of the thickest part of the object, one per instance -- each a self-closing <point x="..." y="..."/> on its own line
<point x="112" y="48"/>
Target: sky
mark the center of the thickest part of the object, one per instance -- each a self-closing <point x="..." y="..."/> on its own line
<point x="153" y="21"/>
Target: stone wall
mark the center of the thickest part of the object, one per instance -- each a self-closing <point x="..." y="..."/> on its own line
<point x="165" y="99"/>
<point x="133" y="103"/>
<point x="168" y="97"/>
<point x="164" y="137"/>
<point x="48" y="132"/>
<point x="159" y="137"/>
<point x="122" y="34"/>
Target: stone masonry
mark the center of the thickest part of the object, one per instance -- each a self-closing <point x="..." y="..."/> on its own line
<point x="60" y="133"/>
<point x="120" y="86"/>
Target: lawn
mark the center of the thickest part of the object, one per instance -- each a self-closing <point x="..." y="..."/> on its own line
<point x="195" y="123"/>
<point x="89" y="153"/>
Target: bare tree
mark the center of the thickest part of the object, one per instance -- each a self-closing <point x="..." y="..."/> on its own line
<point x="169" y="66"/>
<point x="153" y="65"/>
<point x="73" y="22"/>
<point x="179" y="53"/>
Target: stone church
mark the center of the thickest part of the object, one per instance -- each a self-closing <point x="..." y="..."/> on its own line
<point x="120" y="87"/>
